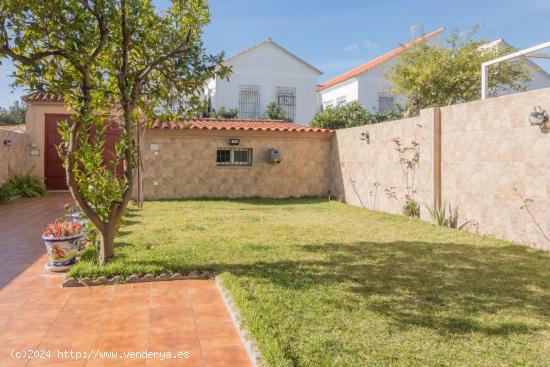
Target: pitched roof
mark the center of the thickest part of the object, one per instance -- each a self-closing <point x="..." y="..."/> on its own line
<point x="379" y="60"/>
<point x="227" y="124"/>
<point x="269" y="41"/>
<point x="42" y="97"/>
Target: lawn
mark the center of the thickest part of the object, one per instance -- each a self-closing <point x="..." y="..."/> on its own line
<point x="325" y="284"/>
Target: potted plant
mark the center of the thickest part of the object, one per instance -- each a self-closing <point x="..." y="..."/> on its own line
<point x="62" y="241"/>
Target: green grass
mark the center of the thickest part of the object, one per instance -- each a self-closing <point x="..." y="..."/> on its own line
<point x="325" y="284"/>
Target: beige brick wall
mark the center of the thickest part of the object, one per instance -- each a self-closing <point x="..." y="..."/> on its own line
<point x="185" y="165"/>
<point x="14" y="158"/>
<point x="490" y="148"/>
<point x="361" y="171"/>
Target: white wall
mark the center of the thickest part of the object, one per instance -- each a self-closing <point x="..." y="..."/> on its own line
<point x="348" y="88"/>
<point x="268" y="67"/>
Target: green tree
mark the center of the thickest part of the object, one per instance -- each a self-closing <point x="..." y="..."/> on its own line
<point x="274" y="112"/>
<point x="350" y="115"/>
<point x="429" y="76"/>
<point x="109" y="59"/>
<point x="14" y="115"/>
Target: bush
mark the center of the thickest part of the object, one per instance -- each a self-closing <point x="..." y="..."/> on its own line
<point x="350" y="115"/>
<point x="25" y="185"/>
<point x="411" y="208"/>
<point x="222" y="113"/>
<point x="274" y="112"/>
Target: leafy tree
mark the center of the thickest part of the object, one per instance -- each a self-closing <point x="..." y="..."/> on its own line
<point x="350" y="115"/>
<point x="222" y="113"/>
<point x="109" y="60"/>
<point x="14" y="115"/>
<point x="429" y="76"/>
<point x="274" y="112"/>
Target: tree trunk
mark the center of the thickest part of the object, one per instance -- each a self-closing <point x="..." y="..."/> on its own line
<point x="106" y="248"/>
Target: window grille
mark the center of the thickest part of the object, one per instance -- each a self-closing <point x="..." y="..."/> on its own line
<point x="385" y="101"/>
<point x="249" y="101"/>
<point x="234" y="157"/>
<point x="340" y="101"/>
<point x="329" y="104"/>
<point x="286" y="100"/>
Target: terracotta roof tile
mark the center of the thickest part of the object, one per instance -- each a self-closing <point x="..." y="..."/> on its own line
<point x="230" y="124"/>
<point x="42" y="97"/>
<point x="379" y="60"/>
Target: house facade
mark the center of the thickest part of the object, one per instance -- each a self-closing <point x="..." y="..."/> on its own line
<point x="368" y="83"/>
<point x="263" y="74"/>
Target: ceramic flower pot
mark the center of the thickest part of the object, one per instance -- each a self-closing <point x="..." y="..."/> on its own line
<point x="62" y="251"/>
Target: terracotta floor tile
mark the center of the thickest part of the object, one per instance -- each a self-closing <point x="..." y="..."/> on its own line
<point x="123" y="302"/>
<point x="132" y="288"/>
<point x="175" y="286"/>
<point x="7" y="346"/>
<point x="75" y="323"/>
<point x="60" y="348"/>
<point x="167" y="319"/>
<point x="193" y="358"/>
<point x="232" y="356"/>
<point x="122" y="341"/>
<point x="125" y="320"/>
<point x="211" y="312"/>
<point x="218" y="334"/>
<point x="203" y="284"/>
<point x="205" y="296"/>
<point x="173" y="340"/>
<point x="25" y="326"/>
<point x="164" y="300"/>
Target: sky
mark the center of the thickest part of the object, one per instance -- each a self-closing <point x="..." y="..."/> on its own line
<point x="336" y="36"/>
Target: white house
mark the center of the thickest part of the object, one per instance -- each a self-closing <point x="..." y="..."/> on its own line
<point x="539" y="77"/>
<point x="367" y="83"/>
<point x="263" y="74"/>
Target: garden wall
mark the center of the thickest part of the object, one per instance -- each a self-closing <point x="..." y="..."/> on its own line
<point x="184" y="166"/>
<point x="14" y="150"/>
<point x="490" y="158"/>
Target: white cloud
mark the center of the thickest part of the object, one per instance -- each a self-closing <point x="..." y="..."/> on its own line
<point x="362" y="44"/>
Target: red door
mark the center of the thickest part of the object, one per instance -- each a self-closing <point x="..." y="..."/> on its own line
<point x="54" y="173"/>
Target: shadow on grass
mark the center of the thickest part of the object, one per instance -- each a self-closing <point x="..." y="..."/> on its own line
<point x="252" y="200"/>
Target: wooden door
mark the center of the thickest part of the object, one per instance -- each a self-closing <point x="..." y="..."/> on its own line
<point x="54" y="173"/>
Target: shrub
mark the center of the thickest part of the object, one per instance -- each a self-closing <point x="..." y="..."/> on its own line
<point x="350" y="115"/>
<point x="25" y="185"/>
<point x="411" y="208"/>
<point x="274" y="112"/>
<point x="222" y="113"/>
<point x="446" y="218"/>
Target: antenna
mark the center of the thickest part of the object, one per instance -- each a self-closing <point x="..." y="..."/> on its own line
<point x="417" y="31"/>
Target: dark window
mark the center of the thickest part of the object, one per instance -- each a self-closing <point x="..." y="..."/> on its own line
<point x="249" y="101"/>
<point x="234" y="157"/>
<point x="223" y="156"/>
<point x="286" y="99"/>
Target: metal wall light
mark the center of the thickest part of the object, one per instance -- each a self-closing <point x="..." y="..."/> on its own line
<point x="7" y="143"/>
<point x="365" y="136"/>
<point x="538" y="117"/>
<point x="234" y="141"/>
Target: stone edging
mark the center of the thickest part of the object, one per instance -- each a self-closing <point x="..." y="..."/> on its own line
<point x="134" y="278"/>
<point x="246" y="338"/>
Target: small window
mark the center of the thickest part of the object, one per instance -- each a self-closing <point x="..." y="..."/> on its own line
<point x="329" y="104"/>
<point x="385" y="101"/>
<point x="249" y="101"/>
<point x="234" y="157"/>
<point x="286" y="99"/>
<point x="340" y="101"/>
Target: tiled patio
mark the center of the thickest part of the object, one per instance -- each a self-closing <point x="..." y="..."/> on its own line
<point x="37" y="314"/>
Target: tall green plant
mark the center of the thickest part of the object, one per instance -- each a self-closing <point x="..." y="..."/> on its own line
<point x="429" y="76"/>
<point x="445" y="215"/>
<point x="109" y="60"/>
